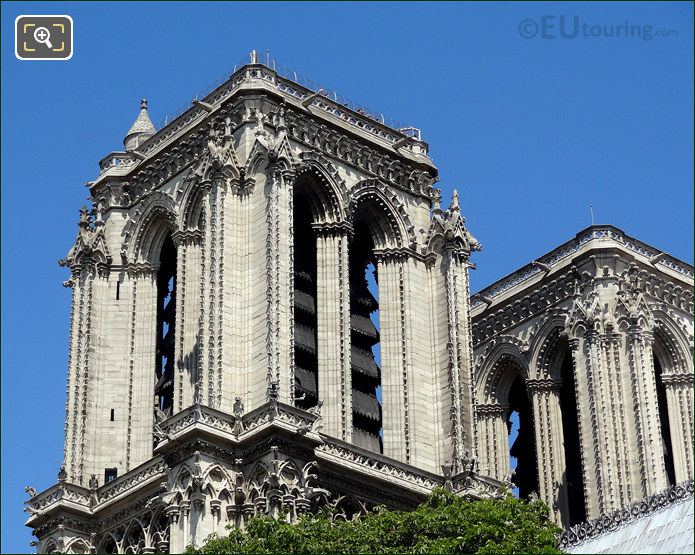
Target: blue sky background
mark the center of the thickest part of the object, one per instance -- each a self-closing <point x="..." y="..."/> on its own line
<point x="531" y="131"/>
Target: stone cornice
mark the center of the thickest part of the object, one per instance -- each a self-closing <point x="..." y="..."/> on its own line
<point x="366" y="145"/>
<point x="200" y="429"/>
<point x="377" y="466"/>
<point x="524" y="297"/>
<point x="594" y="237"/>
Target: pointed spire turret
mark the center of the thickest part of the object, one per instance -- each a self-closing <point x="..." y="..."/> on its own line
<point x="141" y="130"/>
<point x="454" y="207"/>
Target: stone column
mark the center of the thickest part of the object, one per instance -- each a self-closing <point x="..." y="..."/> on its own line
<point x="80" y="399"/>
<point x="141" y="365"/>
<point x="239" y="374"/>
<point x="545" y="399"/>
<point x="176" y="543"/>
<point x="213" y="294"/>
<point x="280" y="282"/>
<point x="395" y="421"/>
<point x="649" y="447"/>
<point x="493" y="443"/>
<point x="621" y="425"/>
<point x="459" y="348"/>
<point x="679" y="397"/>
<point x="587" y="423"/>
<point x="188" y="305"/>
<point x="333" y="318"/>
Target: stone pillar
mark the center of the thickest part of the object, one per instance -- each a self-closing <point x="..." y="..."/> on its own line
<point x="621" y="427"/>
<point x="493" y="443"/>
<point x="460" y="351"/>
<point x="80" y="403"/>
<point x="185" y="525"/>
<point x="188" y="306"/>
<point x="587" y="424"/>
<point x="280" y="282"/>
<point x="679" y="397"/>
<point x="649" y="446"/>
<point x="333" y="316"/>
<point x="547" y="416"/>
<point x="409" y="399"/>
<point x="394" y="371"/>
<point x="141" y="365"/>
<point x="176" y="543"/>
<point x="213" y="294"/>
<point x="239" y="374"/>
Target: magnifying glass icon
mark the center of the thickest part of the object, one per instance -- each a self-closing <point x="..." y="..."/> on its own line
<point x="42" y="35"/>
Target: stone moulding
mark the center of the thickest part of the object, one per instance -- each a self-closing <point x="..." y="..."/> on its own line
<point x="593" y="233"/>
<point x="200" y="425"/>
<point x="388" y="157"/>
<point x="611" y="521"/>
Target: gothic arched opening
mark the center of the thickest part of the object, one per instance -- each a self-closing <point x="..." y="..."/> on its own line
<point x="666" y="442"/>
<point x="572" y="445"/>
<point x="305" y="311"/>
<point x="366" y="373"/>
<point x="520" y="416"/>
<point x="166" y="323"/>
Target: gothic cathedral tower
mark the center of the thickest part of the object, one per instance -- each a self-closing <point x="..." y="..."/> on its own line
<point x="270" y="309"/>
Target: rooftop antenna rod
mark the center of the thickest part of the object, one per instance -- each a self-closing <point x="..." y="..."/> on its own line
<point x="591" y="208"/>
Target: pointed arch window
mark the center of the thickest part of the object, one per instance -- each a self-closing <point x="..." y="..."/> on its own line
<point x="666" y="442"/>
<point x="166" y="323"/>
<point x="366" y="373"/>
<point x="573" y="478"/>
<point x="305" y="312"/>
<point x="522" y="449"/>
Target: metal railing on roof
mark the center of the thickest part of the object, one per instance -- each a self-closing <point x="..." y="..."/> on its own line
<point x="291" y="75"/>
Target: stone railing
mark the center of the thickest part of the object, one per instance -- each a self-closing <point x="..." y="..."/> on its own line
<point x="593" y="233"/>
<point x="376" y="464"/>
<point x="63" y="491"/>
<point x="237" y="426"/>
<point x="305" y="91"/>
<point x="606" y="523"/>
<point x="129" y="481"/>
<point x="116" y="160"/>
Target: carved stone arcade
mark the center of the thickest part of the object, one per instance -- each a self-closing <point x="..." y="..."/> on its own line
<point x="611" y="320"/>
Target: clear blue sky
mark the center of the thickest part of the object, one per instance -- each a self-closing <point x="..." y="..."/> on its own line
<point x="531" y="131"/>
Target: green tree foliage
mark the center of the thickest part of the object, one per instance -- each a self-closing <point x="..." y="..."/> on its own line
<point x="444" y="523"/>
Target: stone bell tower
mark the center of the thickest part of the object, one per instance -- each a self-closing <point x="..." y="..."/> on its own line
<point x="238" y="272"/>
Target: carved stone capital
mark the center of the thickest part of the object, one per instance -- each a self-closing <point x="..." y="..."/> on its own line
<point x="187" y="237"/>
<point x="140" y="269"/>
<point x="333" y="229"/>
<point x="396" y="254"/>
<point x="677" y="380"/>
<point x="491" y="409"/>
<point x="535" y="386"/>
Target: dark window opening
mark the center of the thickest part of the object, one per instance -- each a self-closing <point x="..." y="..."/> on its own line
<point x="110" y="474"/>
<point x="305" y="317"/>
<point x="366" y="372"/>
<point x="572" y="445"/>
<point x="666" y="444"/>
<point x="113" y="414"/>
<point x="166" y="318"/>
<point x="523" y="447"/>
<point x="118" y="290"/>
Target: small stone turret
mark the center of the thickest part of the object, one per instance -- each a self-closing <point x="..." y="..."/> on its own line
<point x="141" y="130"/>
